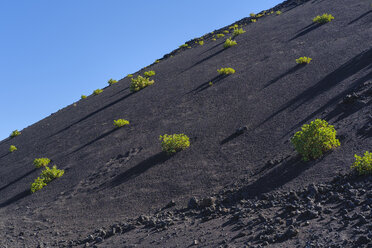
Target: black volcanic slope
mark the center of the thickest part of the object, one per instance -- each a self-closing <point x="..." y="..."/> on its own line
<point x="112" y="176"/>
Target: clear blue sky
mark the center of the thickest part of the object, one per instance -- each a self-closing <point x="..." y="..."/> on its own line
<point x="52" y="52"/>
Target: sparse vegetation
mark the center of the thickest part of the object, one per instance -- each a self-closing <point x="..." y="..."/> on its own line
<point x="83" y="96"/>
<point x="120" y="122"/>
<point x="97" y="92"/>
<point x="47" y="175"/>
<point x="174" y="143"/>
<point x="149" y="73"/>
<point x="220" y="35"/>
<point x="234" y="26"/>
<point x="303" y="60"/>
<point x="253" y="20"/>
<point x="201" y="42"/>
<point x="315" y="139"/>
<point x="238" y="31"/>
<point x="41" y="162"/>
<point x="129" y="75"/>
<point x="226" y="31"/>
<point x="229" y="43"/>
<point x="252" y="15"/>
<point x="210" y="83"/>
<point x="363" y="164"/>
<point x="323" y="18"/>
<point x="12" y="148"/>
<point x="112" y="81"/>
<point x="278" y="12"/>
<point x="157" y="61"/>
<point x="184" y="45"/>
<point x="38" y="184"/>
<point x="140" y="83"/>
<point x="214" y="39"/>
<point x="15" y="133"/>
<point x="226" y="71"/>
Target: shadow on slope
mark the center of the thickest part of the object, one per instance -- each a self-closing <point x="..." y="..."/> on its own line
<point x="290" y="71"/>
<point x="15" y="198"/>
<point x="206" y="85"/>
<point x="360" y="17"/>
<point x="18" y="179"/>
<point x="306" y="30"/>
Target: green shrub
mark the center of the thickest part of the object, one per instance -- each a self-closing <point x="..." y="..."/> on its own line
<point x="149" y="73"/>
<point x="50" y="174"/>
<point x="210" y="83"/>
<point x="15" y="133"/>
<point x="174" y="143"/>
<point x="314" y="139"/>
<point x="39" y="162"/>
<point x="303" y="60"/>
<point x="112" y="81"/>
<point x="220" y="35"/>
<point x="140" y="83"/>
<point x="363" y="164"/>
<point x="97" y="91"/>
<point x="229" y="43"/>
<point x="259" y="15"/>
<point x="38" y="184"/>
<point x="120" y="122"/>
<point x="226" y="31"/>
<point x="226" y="71"/>
<point x="278" y="12"/>
<point x="214" y="39"/>
<point x="12" y="148"/>
<point x="83" y="96"/>
<point x="323" y="18"/>
<point x="253" y="20"/>
<point x="184" y="45"/>
<point x="234" y="27"/>
<point x="157" y="61"/>
<point x="129" y="75"/>
<point x="252" y="15"/>
<point x="201" y="42"/>
<point x="238" y="31"/>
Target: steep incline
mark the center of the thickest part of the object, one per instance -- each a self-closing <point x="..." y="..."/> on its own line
<point x="111" y="174"/>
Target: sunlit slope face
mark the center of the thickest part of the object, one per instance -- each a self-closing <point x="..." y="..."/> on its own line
<point x="236" y="123"/>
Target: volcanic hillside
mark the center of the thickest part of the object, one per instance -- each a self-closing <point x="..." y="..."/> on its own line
<point x="113" y="175"/>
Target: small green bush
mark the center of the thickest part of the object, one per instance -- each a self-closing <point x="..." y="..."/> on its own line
<point x="226" y="71"/>
<point x="120" y="122"/>
<point x="112" y="81"/>
<point x="12" y="148"/>
<point x="38" y="184"/>
<point x="226" y="31"/>
<point x="129" y="75"/>
<point x="15" y="133"/>
<point x="234" y="27"/>
<point x="238" y="31"/>
<point x="220" y="35"/>
<point x="253" y="20"/>
<point x="363" y="164"/>
<point x="50" y="174"/>
<point x="201" y="42"/>
<point x="157" y="61"/>
<point x="41" y="162"/>
<point x="214" y="39"/>
<point x="278" y="12"/>
<point x="174" y="143"/>
<point x="140" y="83"/>
<point x="323" y="18"/>
<point x="83" y="96"/>
<point x="184" y="45"/>
<point x="149" y="73"/>
<point x="252" y="15"/>
<point x="210" y="84"/>
<point x="97" y="92"/>
<point x="314" y="139"/>
<point x="303" y="60"/>
<point x="229" y="43"/>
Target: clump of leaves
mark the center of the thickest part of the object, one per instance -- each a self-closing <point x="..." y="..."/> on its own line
<point x="234" y="26"/>
<point x="140" y="83"/>
<point x="253" y="20"/>
<point x="38" y="184"/>
<point x="83" y="96"/>
<point x="174" y="143"/>
<point x="41" y="162"/>
<point x="49" y="174"/>
<point x="15" y="133"/>
<point x="226" y="71"/>
<point x="184" y="45"/>
<point x="323" y="18"/>
<point x="12" y="148"/>
<point x="157" y="61"/>
<point x="278" y="12"/>
<point x="129" y="75"/>
<point x="220" y="35"/>
<point x="214" y="39"/>
<point x="363" y="164"/>
<point x="315" y="139"/>
<point x="201" y="42"/>
<point x="259" y="15"/>
<point x="238" y="31"/>
<point x="112" y="81"/>
<point x="210" y="83"/>
<point x="149" y="73"/>
<point x="226" y="31"/>
<point x="229" y="43"/>
<point x="120" y="122"/>
<point x="252" y="15"/>
<point x="303" y="60"/>
<point x="97" y="92"/>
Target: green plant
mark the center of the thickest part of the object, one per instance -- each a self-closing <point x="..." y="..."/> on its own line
<point x="38" y="184"/>
<point x="140" y="83"/>
<point x="120" y="122"/>
<point x="226" y="71"/>
<point x="174" y="143"/>
<point x="97" y="91"/>
<point x="210" y="83"/>
<point x="234" y="26"/>
<point x="226" y="31"/>
<point x="214" y="39"/>
<point x="12" y="148"/>
<point x="201" y="42"/>
<point x="314" y="139"/>
<point x="112" y="81"/>
<point x="252" y="15"/>
<point x="303" y="60"/>
<point x="39" y="162"/>
<point x="278" y="12"/>
<point x="220" y="35"/>
<point x="184" y="45"/>
<point x="83" y="96"/>
<point x="238" y="31"/>
<point x="363" y="164"/>
<point x="130" y="75"/>
<point x="15" y="133"/>
<point x="323" y="18"/>
<point x="259" y="15"/>
<point x="253" y="20"/>
<point x="157" y="61"/>
<point x="229" y="43"/>
<point x="149" y="73"/>
<point x="50" y="174"/>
